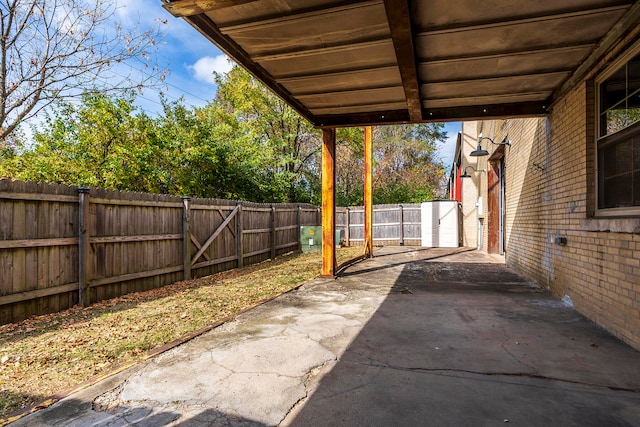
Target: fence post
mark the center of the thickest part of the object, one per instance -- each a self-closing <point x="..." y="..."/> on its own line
<point x="83" y="246"/>
<point x="401" y="226"/>
<point x="347" y="232"/>
<point x="299" y="221"/>
<point x="186" y="237"/>
<point x="318" y="216"/>
<point x="273" y="231"/>
<point x="239" y="235"/>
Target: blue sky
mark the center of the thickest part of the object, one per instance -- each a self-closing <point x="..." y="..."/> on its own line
<point x="191" y="59"/>
<point x="448" y="149"/>
<point x="187" y="55"/>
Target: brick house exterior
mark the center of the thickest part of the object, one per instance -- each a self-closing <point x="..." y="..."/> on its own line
<point x="550" y="194"/>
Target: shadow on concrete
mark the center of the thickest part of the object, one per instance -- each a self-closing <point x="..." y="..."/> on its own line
<point x="140" y="415"/>
<point x="409" y="338"/>
<point x="473" y="343"/>
<point x="444" y="254"/>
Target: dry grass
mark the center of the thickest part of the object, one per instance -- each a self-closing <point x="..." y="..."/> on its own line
<point x="46" y="354"/>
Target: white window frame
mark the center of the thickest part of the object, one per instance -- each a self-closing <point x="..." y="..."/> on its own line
<point x="608" y="72"/>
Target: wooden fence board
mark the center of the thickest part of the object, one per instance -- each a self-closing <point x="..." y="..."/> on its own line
<point x="38" y="197"/>
<point x="135" y="242"/>
<point x="392" y="224"/>
<point x="34" y="243"/>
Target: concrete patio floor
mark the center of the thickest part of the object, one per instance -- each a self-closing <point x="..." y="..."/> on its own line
<point x="413" y="337"/>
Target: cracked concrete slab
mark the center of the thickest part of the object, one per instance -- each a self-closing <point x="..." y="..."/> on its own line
<point x="412" y="337"/>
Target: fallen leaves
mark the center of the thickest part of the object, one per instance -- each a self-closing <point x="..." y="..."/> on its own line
<point x="47" y="354"/>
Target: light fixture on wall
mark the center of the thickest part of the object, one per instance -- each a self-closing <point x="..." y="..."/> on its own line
<point x="480" y="152"/>
<point x="466" y="175"/>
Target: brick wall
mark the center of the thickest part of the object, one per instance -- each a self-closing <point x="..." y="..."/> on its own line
<point x="549" y="194"/>
<point x="470" y="186"/>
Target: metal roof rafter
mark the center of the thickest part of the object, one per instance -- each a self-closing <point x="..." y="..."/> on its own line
<point x="518" y="21"/>
<point x="296" y="17"/>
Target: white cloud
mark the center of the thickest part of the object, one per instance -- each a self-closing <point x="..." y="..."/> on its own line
<point x="135" y="13"/>
<point x="203" y="68"/>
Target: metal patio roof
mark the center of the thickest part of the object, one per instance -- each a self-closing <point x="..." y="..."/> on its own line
<point x="369" y="62"/>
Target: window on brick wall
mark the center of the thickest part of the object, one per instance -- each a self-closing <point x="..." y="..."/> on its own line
<point x="618" y="141"/>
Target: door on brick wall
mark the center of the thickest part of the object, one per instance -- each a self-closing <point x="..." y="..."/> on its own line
<point x="495" y="203"/>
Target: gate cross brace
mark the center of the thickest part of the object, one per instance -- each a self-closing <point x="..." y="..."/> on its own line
<point x="215" y="234"/>
<point x="223" y="217"/>
<point x="198" y="246"/>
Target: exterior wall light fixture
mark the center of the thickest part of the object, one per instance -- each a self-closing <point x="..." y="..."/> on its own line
<point x="466" y="175"/>
<point x="480" y="152"/>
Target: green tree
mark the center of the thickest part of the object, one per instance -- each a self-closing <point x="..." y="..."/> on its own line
<point x="101" y="142"/>
<point x="349" y="167"/>
<point x="288" y="145"/>
<point x="246" y="144"/>
<point x="407" y="167"/>
<point x="207" y="154"/>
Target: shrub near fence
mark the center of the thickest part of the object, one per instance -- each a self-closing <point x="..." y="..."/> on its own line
<point x="61" y="245"/>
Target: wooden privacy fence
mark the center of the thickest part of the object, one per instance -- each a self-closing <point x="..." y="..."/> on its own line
<point x="392" y="224"/>
<point x="62" y="245"/>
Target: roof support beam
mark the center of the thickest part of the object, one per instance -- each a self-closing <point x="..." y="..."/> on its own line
<point x="482" y="112"/>
<point x="183" y="8"/>
<point x="363" y="119"/>
<point x="399" y="18"/>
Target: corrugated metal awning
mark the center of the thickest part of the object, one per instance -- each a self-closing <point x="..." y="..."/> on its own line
<point x="351" y="63"/>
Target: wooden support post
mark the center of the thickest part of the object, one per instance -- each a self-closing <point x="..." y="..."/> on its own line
<point x="368" y="193"/>
<point x="239" y="249"/>
<point x="299" y="222"/>
<point x="84" y="298"/>
<point x="273" y="231"/>
<point x="328" y="202"/>
<point x="401" y="226"/>
<point x="186" y="237"/>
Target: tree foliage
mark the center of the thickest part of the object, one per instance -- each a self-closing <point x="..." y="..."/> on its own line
<point x="99" y="143"/>
<point x="406" y="167"/>
<point x="287" y="144"/>
<point x="245" y="144"/>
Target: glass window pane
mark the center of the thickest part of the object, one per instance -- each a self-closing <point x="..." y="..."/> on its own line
<point x="616" y="120"/>
<point x="613" y="90"/>
<point x="633" y="76"/>
<point x="636" y="188"/>
<point x="624" y="157"/>
<point x="608" y="165"/>
<point x="616" y="180"/>
<point x="633" y="107"/>
<point x="619" y="189"/>
<point x="601" y="185"/>
<point x="619" y="155"/>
